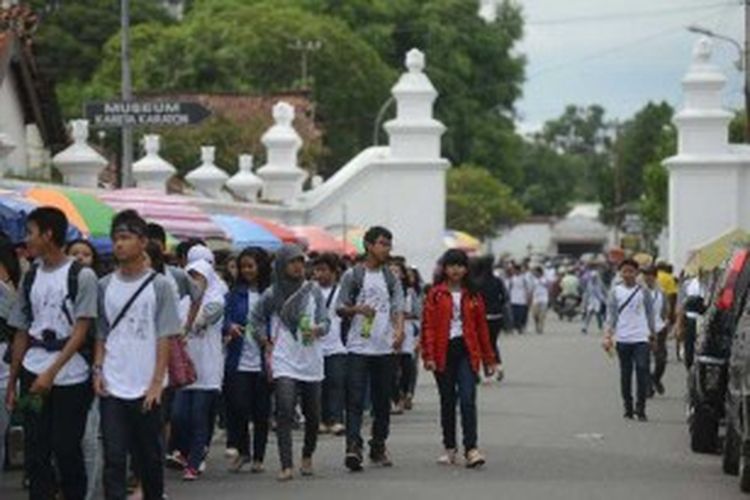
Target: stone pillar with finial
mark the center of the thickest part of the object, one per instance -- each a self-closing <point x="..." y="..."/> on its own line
<point x="208" y="178"/>
<point x="414" y="133"/>
<point x="79" y="163"/>
<point x="245" y="184"/>
<point x="282" y="177"/>
<point x="152" y="171"/>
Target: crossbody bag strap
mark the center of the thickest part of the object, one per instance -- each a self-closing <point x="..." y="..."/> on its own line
<point x="131" y="300"/>
<point x="629" y="300"/>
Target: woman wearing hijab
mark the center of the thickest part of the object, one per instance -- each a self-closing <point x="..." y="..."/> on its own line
<point x="293" y="310"/>
<point x="194" y="404"/>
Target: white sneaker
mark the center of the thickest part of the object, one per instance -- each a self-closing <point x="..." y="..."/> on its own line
<point x="448" y="458"/>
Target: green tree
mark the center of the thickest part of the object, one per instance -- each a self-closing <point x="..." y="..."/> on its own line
<point x="737" y="127"/>
<point x="655" y="199"/>
<point x="247" y="49"/>
<point x="478" y="203"/>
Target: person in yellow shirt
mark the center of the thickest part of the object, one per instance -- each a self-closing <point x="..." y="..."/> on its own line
<point x="668" y="284"/>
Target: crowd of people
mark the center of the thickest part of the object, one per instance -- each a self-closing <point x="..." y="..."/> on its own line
<point x="120" y="368"/>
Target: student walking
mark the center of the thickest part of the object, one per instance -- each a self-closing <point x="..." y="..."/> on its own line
<point x="326" y="272"/>
<point x="247" y="390"/>
<point x="194" y="406"/>
<point x="661" y="319"/>
<point x="372" y="301"/>
<point x="53" y="314"/>
<point x="630" y="330"/>
<point x="539" y="299"/>
<point x="138" y="314"/>
<point x="520" y="291"/>
<point x="404" y="374"/>
<point x="294" y="311"/>
<point x="497" y="304"/>
<point x="455" y="342"/>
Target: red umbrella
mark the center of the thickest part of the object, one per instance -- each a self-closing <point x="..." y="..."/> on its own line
<point x="319" y="240"/>
<point x="281" y="231"/>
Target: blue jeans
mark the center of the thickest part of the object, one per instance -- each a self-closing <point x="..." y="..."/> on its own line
<point x="127" y="428"/>
<point x="458" y="383"/>
<point x="636" y="356"/>
<point x="379" y="371"/>
<point x="192" y="416"/>
<point x="334" y="389"/>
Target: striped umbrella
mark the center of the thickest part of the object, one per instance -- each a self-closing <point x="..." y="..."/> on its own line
<point x="177" y="214"/>
<point x="245" y="233"/>
<point x="282" y="232"/>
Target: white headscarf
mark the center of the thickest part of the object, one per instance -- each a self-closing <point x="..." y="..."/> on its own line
<point x="215" y="290"/>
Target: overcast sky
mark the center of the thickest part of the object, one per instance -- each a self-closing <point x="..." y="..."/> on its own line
<point x="634" y="51"/>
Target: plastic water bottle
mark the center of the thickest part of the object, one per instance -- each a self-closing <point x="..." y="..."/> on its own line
<point x="305" y="326"/>
<point x="367" y="327"/>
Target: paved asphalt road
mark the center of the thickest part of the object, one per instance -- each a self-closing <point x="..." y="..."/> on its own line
<point x="552" y="430"/>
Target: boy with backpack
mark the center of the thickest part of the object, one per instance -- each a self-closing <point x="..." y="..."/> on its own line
<point x="52" y="316"/>
<point x="371" y="302"/>
<point x="137" y="315"/>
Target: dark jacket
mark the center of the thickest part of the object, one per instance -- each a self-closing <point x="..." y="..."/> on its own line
<point x="235" y="312"/>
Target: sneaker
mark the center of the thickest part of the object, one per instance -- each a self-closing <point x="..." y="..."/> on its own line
<point x="659" y="387"/>
<point x="448" y="458"/>
<point x="306" y="469"/>
<point x="474" y="459"/>
<point x="353" y="460"/>
<point x="239" y="464"/>
<point x="202" y="466"/>
<point x="257" y="467"/>
<point x="408" y="402"/>
<point x="324" y="429"/>
<point x="500" y="374"/>
<point x="231" y="453"/>
<point x="176" y="461"/>
<point x="190" y="474"/>
<point x="380" y="457"/>
<point x="285" y="475"/>
<point x="641" y="416"/>
<point x="628" y="414"/>
<point x="338" y="429"/>
<point x="398" y="408"/>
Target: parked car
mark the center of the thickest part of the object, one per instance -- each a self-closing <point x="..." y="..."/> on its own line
<point x="708" y="378"/>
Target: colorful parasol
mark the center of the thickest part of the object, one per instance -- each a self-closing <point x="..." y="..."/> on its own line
<point x="461" y="240"/>
<point x="282" y="232"/>
<point x="712" y="254"/>
<point x="245" y="233"/>
<point x="355" y="235"/>
<point x="319" y="240"/>
<point x="177" y="214"/>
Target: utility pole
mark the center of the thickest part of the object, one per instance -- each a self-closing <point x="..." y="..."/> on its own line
<point x="126" y="165"/>
<point x="305" y="49"/>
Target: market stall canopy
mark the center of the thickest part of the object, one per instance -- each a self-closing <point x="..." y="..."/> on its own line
<point x="319" y="240"/>
<point x="84" y="211"/>
<point x="461" y="240"/>
<point x="712" y="254"/>
<point x="282" y="232"/>
<point x="245" y="233"/>
<point x="14" y="208"/>
<point x="177" y="214"/>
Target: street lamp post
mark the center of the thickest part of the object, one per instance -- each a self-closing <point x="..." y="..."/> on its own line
<point x="742" y="63"/>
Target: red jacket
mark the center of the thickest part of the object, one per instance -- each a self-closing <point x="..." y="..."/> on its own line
<point x="436" y="326"/>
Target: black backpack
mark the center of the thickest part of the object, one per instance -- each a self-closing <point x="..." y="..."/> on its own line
<point x="87" y="350"/>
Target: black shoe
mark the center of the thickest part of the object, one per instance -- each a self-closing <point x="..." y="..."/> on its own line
<point x="353" y="460"/>
<point x="628" y="414"/>
<point x="641" y="415"/>
<point x="659" y="387"/>
<point x="651" y="392"/>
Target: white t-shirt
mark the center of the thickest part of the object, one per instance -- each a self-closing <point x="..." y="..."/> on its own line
<point x="291" y="357"/>
<point x="48" y="294"/>
<point x="457" y="324"/>
<point x="130" y="349"/>
<point x="411" y="326"/>
<point x="541" y="291"/>
<point x="250" y="358"/>
<point x="374" y="294"/>
<point x="657" y="299"/>
<point x="694" y="288"/>
<point x="205" y="349"/>
<point x="519" y="290"/>
<point x="632" y="323"/>
<point x="332" y="343"/>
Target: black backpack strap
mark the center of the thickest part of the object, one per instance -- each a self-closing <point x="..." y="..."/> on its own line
<point x="73" y="271"/>
<point x="131" y="300"/>
<point x="28" y="282"/>
<point x="331" y="295"/>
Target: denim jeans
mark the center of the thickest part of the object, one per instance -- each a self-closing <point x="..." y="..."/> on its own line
<point x="56" y="430"/>
<point x="379" y="370"/>
<point x="458" y="382"/>
<point x="248" y="398"/>
<point x="634" y="356"/>
<point x="193" y="413"/>
<point x="520" y="317"/>
<point x="334" y="389"/>
<point x="403" y="376"/>
<point x="287" y="390"/>
<point x="126" y="428"/>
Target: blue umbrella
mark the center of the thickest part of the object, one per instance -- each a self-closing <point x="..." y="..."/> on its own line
<point x="13" y="213"/>
<point x="245" y="233"/>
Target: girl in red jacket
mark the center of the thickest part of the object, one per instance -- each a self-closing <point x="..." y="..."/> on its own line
<point x="455" y="342"/>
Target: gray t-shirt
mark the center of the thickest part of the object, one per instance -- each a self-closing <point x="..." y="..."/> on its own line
<point x="49" y="292"/>
<point x="131" y="347"/>
<point x="185" y="286"/>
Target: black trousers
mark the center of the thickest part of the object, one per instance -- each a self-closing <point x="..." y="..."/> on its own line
<point x="56" y="430"/>
<point x="403" y="377"/>
<point x="126" y="428"/>
<point x="660" y="355"/>
<point x="334" y="390"/>
<point x="379" y="370"/>
<point x="495" y="325"/>
<point x="690" y="339"/>
<point x="248" y="399"/>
